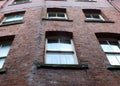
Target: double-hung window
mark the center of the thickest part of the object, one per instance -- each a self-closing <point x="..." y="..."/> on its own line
<point x="112" y="49"/>
<point x="4" y="50"/>
<point x="12" y="18"/>
<point x="56" y="13"/>
<point x="60" y="50"/>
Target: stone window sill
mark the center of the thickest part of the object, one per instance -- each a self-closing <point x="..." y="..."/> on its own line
<point x="3" y="70"/>
<point x="12" y="23"/>
<point x="112" y="67"/>
<point x="98" y="21"/>
<point x="62" y="66"/>
<point x="57" y="19"/>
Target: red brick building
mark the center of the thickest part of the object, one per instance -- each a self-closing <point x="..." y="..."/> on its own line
<point x="59" y="43"/>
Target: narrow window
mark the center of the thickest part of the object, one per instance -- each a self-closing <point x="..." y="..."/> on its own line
<point x="60" y="50"/>
<point x="5" y="44"/>
<point x="56" y="13"/>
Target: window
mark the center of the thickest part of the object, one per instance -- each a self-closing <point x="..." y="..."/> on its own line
<point x="20" y="1"/>
<point x="111" y="47"/>
<point x="5" y="45"/>
<point x="56" y="13"/>
<point x="93" y="14"/>
<point x="12" y="18"/>
<point x="60" y="50"/>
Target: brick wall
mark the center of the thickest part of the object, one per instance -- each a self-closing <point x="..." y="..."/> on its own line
<point x="28" y="47"/>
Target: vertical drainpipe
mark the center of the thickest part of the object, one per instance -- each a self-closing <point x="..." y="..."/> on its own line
<point x="114" y="5"/>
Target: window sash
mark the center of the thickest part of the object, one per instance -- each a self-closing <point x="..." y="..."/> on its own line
<point x="58" y="46"/>
<point x="92" y="17"/>
<point x="13" y="18"/>
<point x="60" y="58"/>
<point x="110" y="46"/>
<point x="114" y="59"/>
<point x="57" y="15"/>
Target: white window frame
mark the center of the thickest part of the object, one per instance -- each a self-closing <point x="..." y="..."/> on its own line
<point x="92" y="18"/>
<point x="61" y="52"/>
<point x="114" y="59"/>
<point x="56" y="17"/>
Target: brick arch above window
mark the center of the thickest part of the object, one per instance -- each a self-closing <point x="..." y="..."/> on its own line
<point x="59" y="33"/>
<point x="108" y="35"/>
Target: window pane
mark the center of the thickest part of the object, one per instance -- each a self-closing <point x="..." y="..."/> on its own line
<point x="87" y="15"/>
<point x="114" y="46"/>
<point x="51" y="14"/>
<point x="60" y="14"/>
<point x="60" y="58"/>
<point x="118" y="57"/>
<point x="67" y="59"/>
<point x="53" y="44"/>
<point x="65" y="45"/>
<point x="106" y="48"/>
<point x="14" y="18"/>
<point x="65" y="41"/>
<point x="52" y="58"/>
<point x="9" y="18"/>
<point x="2" y="62"/>
<point x="96" y="16"/>
<point x="112" y="59"/>
<point x="4" y="50"/>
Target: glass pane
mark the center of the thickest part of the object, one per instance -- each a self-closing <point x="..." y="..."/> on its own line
<point x="19" y="17"/>
<point x="65" y="45"/>
<point x="52" y="40"/>
<point x="67" y="59"/>
<point x="60" y="15"/>
<point x="65" y="41"/>
<point x="106" y="48"/>
<point x="59" y="58"/>
<point x="2" y="62"/>
<point x="96" y="16"/>
<point x="87" y="15"/>
<point x="53" y="44"/>
<point x="52" y="58"/>
<point x="118" y="57"/>
<point x="4" y="50"/>
<point x="9" y="18"/>
<point x="51" y="14"/>
<point x="14" y="18"/>
<point x="114" y="46"/>
<point x="112" y="59"/>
